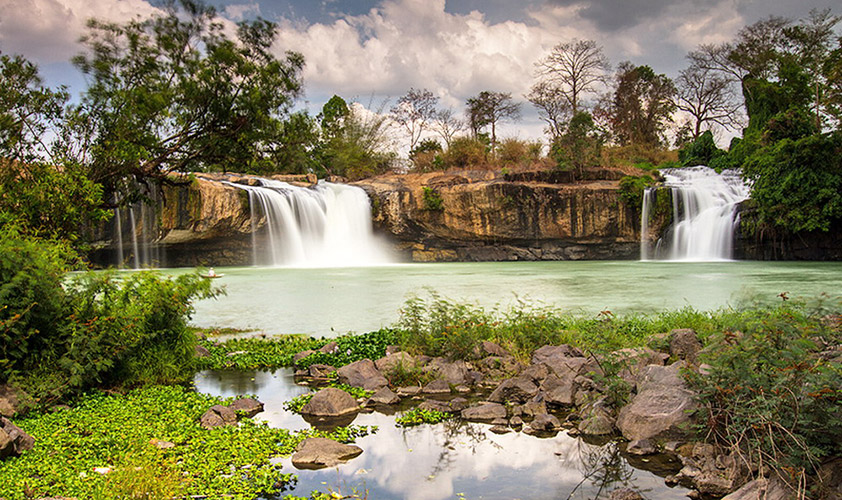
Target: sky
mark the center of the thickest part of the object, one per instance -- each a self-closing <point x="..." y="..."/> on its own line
<point x="375" y="51"/>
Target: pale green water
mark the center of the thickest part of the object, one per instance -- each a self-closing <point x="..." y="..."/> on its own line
<point x="337" y="300"/>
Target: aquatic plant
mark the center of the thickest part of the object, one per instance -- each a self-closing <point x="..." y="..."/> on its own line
<point x="418" y="416"/>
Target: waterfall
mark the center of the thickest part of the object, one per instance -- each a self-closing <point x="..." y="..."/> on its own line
<point x="328" y="225"/>
<point x="704" y="215"/>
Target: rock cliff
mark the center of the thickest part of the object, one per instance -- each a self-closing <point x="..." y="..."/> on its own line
<point x="480" y="215"/>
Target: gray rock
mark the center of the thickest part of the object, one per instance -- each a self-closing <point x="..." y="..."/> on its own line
<point x="454" y="372"/>
<point x="200" y="351"/>
<point x="396" y="361"/>
<point x="458" y="404"/>
<point x="597" y="419"/>
<point x="544" y="422"/>
<point x="657" y="413"/>
<point x="319" y="453"/>
<point x="655" y="377"/>
<point x="533" y="408"/>
<point x="641" y="447"/>
<point x="762" y="489"/>
<point x="409" y="391"/>
<point x="218" y="416"/>
<point x="248" y="407"/>
<point x="684" y="344"/>
<point x="484" y="412"/>
<point x="492" y="349"/>
<point x="514" y="390"/>
<point x="624" y="494"/>
<point x="500" y="429"/>
<point x="560" y="391"/>
<point x="320" y="371"/>
<point x="437" y="387"/>
<point x="555" y="352"/>
<point x="329" y="348"/>
<point x="10" y="400"/>
<point x="331" y="402"/>
<point x="436" y="405"/>
<point x="537" y="372"/>
<point x="301" y="355"/>
<point x="385" y="396"/>
<point x="363" y="374"/>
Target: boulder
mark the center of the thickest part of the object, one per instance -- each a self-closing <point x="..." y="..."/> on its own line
<point x="436" y="387"/>
<point x="544" y="422"/>
<point x="710" y="471"/>
<point x="624" y="494"/>
<point x="684" y="344"/>
<point x="363" y="374"/>
<point x="10" y="400"/>
<point x="662" y="407"/>
<point x="454" y="372"/>
<point x="487" y="348"/>
<point x="384" y="396"/>
<point x="319" y="453"/>
<point x="248" y="407"/>
<point x="633" y="360"/>
<point x="560" y="391"/>
<point x="514" y="390"/>
<point x="390" y="362"/>
<point x="762" y="489"/>
<point x="330" y="348"/>
<point x="218" y="416"/>
<point x="597" y="419"/>
<point x="331" y="402"/>
<point x="435" y="405"/>
<point x="533" y="408"/>
<point x="200" y="351"/>
<point x="458" y="404"/>
<point x="484" y="412"/>
<point x="830" y="479"/>
<point x="555" y="352"/>
<point x="409" y="391"/>
<point x="641" y="447"/>
<point x="538" y="373"/>
<point x="301" y="355"/>
<point x="320" y="371"/>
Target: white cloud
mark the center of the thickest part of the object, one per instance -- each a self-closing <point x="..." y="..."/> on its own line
<point x="48" y="31"/>
<point x="240" y="11"/>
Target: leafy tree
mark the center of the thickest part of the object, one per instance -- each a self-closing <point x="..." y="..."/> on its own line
<point x="708" y="97"/>
<point x="294" y="150"/>
<point x="580" y="145"/>
<point x="574" y="69"/>
<point x="488" y="108"/>
<point x="414" y="112"/>
<point x="28" y="110"/>
<point x="552" y="107"/>
<point x="702" y="151"/>
<point x="641" y="106"/>
<point x="174" y="93"/>
<point x="356" y="143"/>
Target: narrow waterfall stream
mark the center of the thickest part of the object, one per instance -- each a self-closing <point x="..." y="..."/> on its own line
<point x="328" y="225"/>
<point x="704" y="215"/>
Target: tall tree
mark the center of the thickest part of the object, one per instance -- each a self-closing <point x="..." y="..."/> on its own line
<point x="552" y="107"/>
<point x="174" y="93"/>
<point x="415" y="112"/>
<point x="574" y="69"/>
<point x="708" y="97"/>
<point x="447" y="125"/>
<point x="488" y="108"/>
<point x="641" y="106"/>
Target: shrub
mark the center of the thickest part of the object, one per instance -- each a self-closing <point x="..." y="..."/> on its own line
<point x="432" y="200"/>
<point x="632" y="188"/>
<point x="465" y="152"/>
<point x="513" y="151"/>
<point x="702" y="151"/>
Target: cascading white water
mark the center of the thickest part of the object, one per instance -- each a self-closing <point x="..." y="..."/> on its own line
<point x="704" y="215"/>
<point x="328" y="225"/>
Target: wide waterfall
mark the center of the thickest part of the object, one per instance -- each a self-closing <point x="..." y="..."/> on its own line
<point x="328" y="225"/>
<point x="704" y="215"/>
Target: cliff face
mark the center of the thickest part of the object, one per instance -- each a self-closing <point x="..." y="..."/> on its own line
<point x="472" y="216"/>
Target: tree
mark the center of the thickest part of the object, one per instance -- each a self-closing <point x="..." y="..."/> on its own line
<point x="447" y="125"/>
<point x="28" y="110"/>
<point x="355" y="141"/>
<point x="708" y="97"/>
<point x="579" y="146"/>
<point x="641" y="105"/>
<point x="414" y="112"/>
<point x="488" y="108"/>
<point x="574" y="69"/>
<point x="552" y="107"/>
<point x="174" y="93"/>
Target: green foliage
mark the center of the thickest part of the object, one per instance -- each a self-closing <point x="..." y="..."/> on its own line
<point x="64" y="335"/>
<point x="174" y="92"/>
<point x="702" y="151"/>
<point x="427" y="156"/>
<point x="513" y="151"/>
<point x="579" y="146"/>
<point x="465" y="152"/>
<point x="432" y="199"/>
<point x="632" y="188"/>
<point x="119" y="431"/>
<point x="641" y="106"/>
<point x="489" y="108"/>
<point x="356" y="144"/>
<point x="278" y="352"/>
<point x="417" y="416"/>
<point x="796" y="184"/>
<point x="769" y="396"/>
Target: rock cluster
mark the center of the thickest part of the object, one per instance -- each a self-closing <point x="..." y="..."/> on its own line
<point x="219" y="415"/>
<point x="13" y="441"/>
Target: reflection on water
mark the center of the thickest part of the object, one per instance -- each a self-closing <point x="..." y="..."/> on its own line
<point x="333" y="301"/>
<point x="442" y="461"/>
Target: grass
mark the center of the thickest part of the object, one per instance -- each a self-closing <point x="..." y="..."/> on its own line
<point x="116" y="431"/>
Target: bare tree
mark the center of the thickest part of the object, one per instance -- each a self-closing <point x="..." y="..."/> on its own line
<point x="488" y="108"/>
<point x="414" y="112"/>
<point x="708" y="97"/>
<point x="575" y="68"/>
<point x="552" y="107"/>
<point x="447" y="124"/>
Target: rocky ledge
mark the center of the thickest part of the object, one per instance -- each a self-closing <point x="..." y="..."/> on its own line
<point x="488" y="216"/>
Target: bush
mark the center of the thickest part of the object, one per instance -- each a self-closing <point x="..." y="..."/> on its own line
<point x="702" y="151"/>
<point x="632" y="188"/>
<point x="516" y="152"/>
<point x="465" y="152"/>
<point x="432" y="199"/>
<point x="94" y="330"/>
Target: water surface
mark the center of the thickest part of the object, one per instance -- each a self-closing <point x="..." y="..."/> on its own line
<point x="331" y="301"/>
